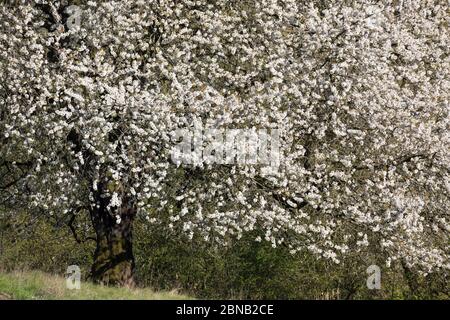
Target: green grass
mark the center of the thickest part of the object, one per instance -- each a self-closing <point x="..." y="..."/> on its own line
<point x="41" y="286"/>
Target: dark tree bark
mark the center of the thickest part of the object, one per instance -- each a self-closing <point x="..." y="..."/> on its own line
<point x="113" y="258"/>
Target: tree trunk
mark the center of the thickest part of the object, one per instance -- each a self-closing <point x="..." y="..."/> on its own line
<point x="113" y="257"/>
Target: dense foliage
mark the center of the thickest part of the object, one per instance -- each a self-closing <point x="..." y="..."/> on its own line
<point x="245" y="269"/>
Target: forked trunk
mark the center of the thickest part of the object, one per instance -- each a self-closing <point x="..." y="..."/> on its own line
<point x="113" y="257"/>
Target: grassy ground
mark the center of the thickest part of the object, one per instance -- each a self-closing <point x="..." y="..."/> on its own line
<point x="42" y="286"/>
